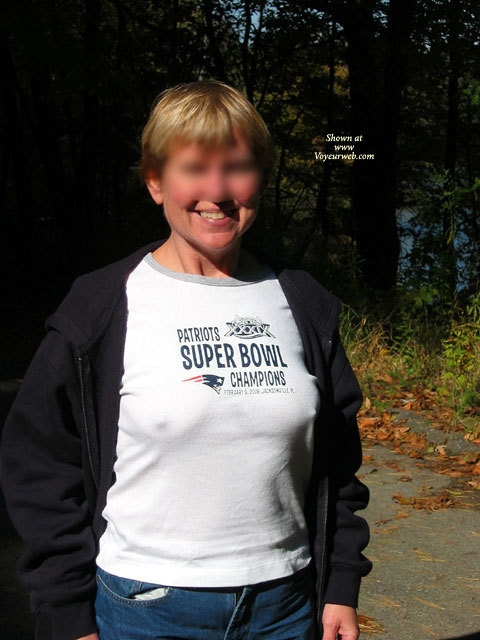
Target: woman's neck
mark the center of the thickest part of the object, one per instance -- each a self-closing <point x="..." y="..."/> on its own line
<point x="178" y="255"/>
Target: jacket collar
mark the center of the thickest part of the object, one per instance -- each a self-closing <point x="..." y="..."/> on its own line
<point x="93" y="298"/>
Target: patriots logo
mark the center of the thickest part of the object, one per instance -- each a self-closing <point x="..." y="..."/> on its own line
<point x="248" y="327"/>
<point x="214" y="382"/>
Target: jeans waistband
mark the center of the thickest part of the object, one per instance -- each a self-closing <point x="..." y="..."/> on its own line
<point x="297" y="576"/>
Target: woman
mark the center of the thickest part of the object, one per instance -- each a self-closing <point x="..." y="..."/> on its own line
<point x="189" y="420"/>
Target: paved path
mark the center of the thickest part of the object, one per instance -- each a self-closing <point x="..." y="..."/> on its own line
<point x="426" y="577"/>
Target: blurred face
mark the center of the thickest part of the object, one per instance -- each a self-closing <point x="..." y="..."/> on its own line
<point x="210" y="197"/>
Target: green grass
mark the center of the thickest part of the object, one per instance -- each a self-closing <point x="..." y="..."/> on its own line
<point x="433" y="348"/>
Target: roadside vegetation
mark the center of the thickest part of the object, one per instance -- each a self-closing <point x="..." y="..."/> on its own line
<point x="420" y="354"/>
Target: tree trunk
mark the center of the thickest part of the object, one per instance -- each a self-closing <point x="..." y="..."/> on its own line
<point x="320" y="214"/>
<point x="86" y="214"/>
<point x="449" y="205"/>
<point x="373" y="181"/>
<point x="219" y="68"/>
<point x="25" y="222"/>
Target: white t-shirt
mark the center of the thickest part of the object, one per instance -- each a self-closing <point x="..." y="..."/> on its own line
<point x="215" y="440"/>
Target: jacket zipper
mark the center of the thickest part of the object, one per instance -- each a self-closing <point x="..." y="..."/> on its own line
<point x="85" y="421"/>
<point x="321" y="576"/>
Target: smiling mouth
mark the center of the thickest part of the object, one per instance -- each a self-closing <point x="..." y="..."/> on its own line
<point x="216" y="215"/>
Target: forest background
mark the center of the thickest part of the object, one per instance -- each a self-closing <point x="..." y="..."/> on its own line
<point x="394" y="233"/>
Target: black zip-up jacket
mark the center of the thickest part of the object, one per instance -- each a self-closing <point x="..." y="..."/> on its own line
<point x="59" y="442"/>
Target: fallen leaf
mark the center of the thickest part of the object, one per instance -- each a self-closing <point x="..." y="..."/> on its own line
<point x="426" y="557"/>
<point x="385" y="378"/>
<point x="369" y="625"/>
<point x="467" y="578"/>
<point x="452" y="473"/>
<point x="386" y="556"/>
<point x="428" y="630"/>
<point x="386" y="530"/>
<point x="390" y="603"/>
<point x="431" y="604"/>
<point x="367" y="422"/>
<point x="476" y="469"/>
<point x="383" y="602"/>
<point x="394" y="465"/>
<point x="431" y="503"/>
<point x="415" y="454"/>
<point x="404" y="429"/>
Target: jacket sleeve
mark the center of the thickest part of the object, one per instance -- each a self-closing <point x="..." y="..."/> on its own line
<point x="347" y="533"/>
<point x="42" y="480"/>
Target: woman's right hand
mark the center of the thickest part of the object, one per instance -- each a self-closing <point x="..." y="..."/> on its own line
<point x="92" y="636"/>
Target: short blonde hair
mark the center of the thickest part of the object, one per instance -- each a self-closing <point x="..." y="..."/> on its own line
<point x="205" y="112"/>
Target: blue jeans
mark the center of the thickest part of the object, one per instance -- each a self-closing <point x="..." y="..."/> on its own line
<point x="281" y="609"/>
